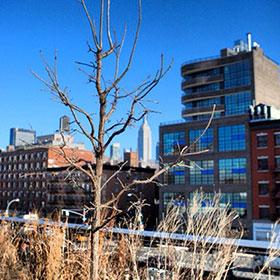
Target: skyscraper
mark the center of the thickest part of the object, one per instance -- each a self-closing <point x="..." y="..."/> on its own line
<point x="64" y="124"/>
<point x="22" y="137"/>
<point x="145" y="142"/>
<point x="239" y="77"/>
<point x="115" y="152"/>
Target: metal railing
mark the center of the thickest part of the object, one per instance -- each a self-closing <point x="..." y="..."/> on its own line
<point x="190" y="61"/>
<point x="172" y="122"/>
<point x="256" y="244"/>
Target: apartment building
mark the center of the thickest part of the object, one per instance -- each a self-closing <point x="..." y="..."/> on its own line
<point x="23" y="174"/>
<point x="236" y="79"/>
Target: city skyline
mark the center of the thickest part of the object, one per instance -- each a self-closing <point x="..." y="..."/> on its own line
<point x="198" y="33"/>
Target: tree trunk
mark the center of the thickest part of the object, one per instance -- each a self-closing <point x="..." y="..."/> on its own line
<point x="96" y="221"/>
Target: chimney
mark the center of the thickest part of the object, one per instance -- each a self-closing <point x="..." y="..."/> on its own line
<point x="249" y="41"/>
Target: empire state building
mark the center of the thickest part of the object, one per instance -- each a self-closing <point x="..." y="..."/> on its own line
<point x="145" y="142"/>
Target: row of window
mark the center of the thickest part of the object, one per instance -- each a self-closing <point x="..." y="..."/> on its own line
<point x="203" y="117"/>
<point x="235" y="201"/>
<point x="206" y="73"/>
<point x="22" y="176"/>
<point x="209" y="102"/>
<point x="263" y="163"/>
<point x="265" y="212"/>
<point x="231" y="171"/>
<point x="230" y="138"/>
<point x="24" y="156"/>
<point x="21" y="184"/>
<point x="203" y="88"/>
<point x="263" y="187"/>
<point x="23" y="166"/>
<point x="235" y="104"/>
<point x="262" y="140"/>
<point x="21" y="194"/>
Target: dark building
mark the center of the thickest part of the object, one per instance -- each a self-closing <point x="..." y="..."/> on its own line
<point x="237" y="78"/>
<point x="72" y="190"/>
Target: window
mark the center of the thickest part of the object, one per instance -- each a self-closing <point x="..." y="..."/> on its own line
<point x="237" y="103"/>
<point x="203" y="117"/>
<point x="203" y="103"/>
<point x="204" y="142"/>
<point x="264" y="212"/>
<point x="263" y="188"/>
<point x="173" y="142"/>
<point x="262" y="163"/>
<point x="262" y="140"/>
<point x="175" y="176"/>
<point x="277" y="138"/>
<point x="235" y="201"/>
<point x="237" y="74"/>
<point x="278" y="211"/>
<point x="232" y="138"/>
<point x="173" y="199"/>
<point x="204" y="88"/>
<point x="202" y="172"/>
<point x="277" y="162"/>
<point x="232" y="171"/>
<point x="207" y="73"/>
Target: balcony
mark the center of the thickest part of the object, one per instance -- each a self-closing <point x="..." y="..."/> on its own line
<point x="201" y="110"/>
<point x="202" y="81"/>
<point x="200" y="95"/>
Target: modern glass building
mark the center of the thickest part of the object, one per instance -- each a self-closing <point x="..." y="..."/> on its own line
<point x="220" y="158"/>
<point x="22" y="137"/>
<point x="115" y="152"/>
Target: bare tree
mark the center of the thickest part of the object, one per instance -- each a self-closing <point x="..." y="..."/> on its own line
<point x="98" y="124"/>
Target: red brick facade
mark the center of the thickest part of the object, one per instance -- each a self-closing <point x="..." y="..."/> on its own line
<point x="265" y="150"/>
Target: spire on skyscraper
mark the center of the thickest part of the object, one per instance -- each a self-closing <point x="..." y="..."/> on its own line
<point x="145" y="142"/>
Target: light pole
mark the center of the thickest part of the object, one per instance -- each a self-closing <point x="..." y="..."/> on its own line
<point x="68" y="211"/>
<point x="138" y="205"/>
<point x="8" y="206"/>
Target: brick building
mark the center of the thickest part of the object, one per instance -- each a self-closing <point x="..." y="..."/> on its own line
<point x="131" y="158"/>
<point x="23" y="174"/>
<point x="72" y="190"/>
<point x="265" y="166"/>
<point x="234" y="80"/>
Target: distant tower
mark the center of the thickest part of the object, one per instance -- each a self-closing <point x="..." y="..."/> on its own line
<point x="115" y="152"/>
<point x="22" y="137"/>
<point x="64" y="124"/>
<point x="145" y="142"/>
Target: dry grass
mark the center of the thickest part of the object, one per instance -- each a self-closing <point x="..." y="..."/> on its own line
<point x="35" y="252"/>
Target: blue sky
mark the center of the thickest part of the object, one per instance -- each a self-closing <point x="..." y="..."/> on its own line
<point x="181" y="30"/>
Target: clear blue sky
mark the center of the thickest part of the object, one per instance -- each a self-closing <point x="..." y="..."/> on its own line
<point x="181" y="29"/>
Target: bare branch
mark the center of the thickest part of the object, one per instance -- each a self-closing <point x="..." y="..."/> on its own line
<point x="91" y="24"/>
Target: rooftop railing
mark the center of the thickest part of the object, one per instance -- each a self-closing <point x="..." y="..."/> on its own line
<point x="200" y="59"/>
<point x="172" y="122"/>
